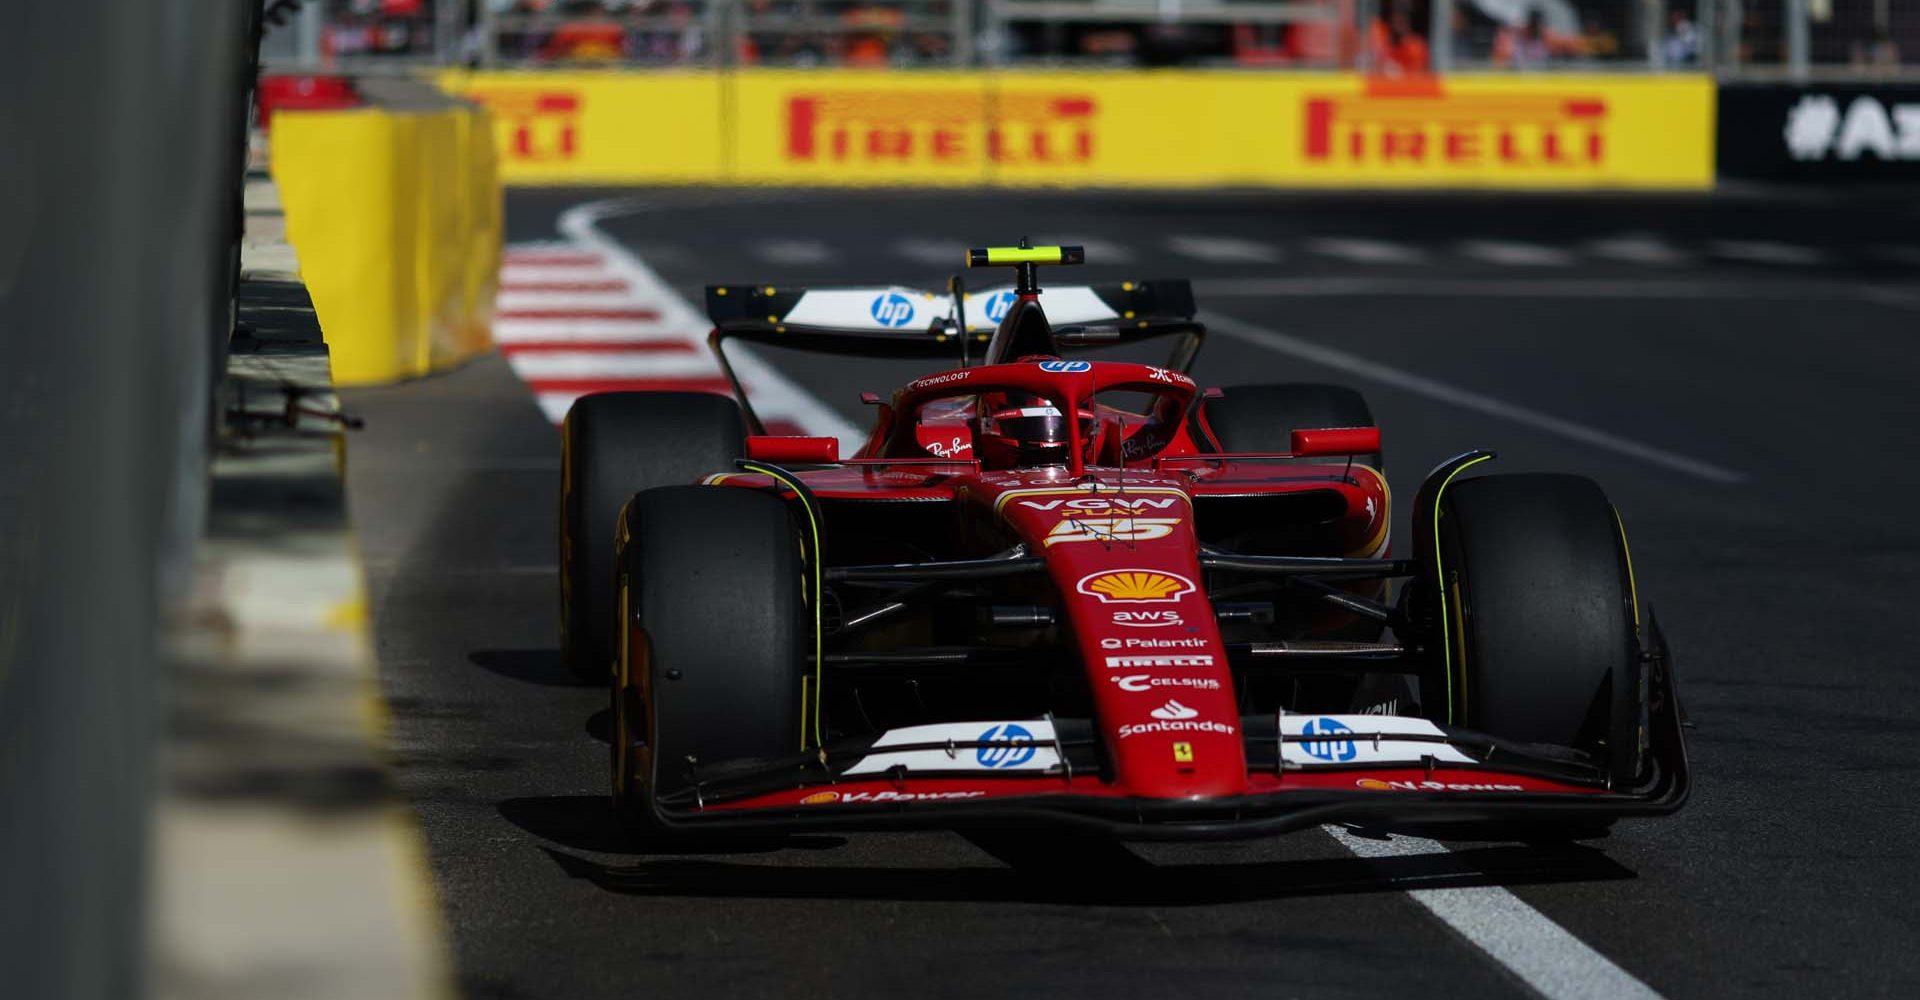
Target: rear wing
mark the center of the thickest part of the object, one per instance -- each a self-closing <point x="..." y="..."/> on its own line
<point x="903" y="322"/>
<point x="897" y="322"/>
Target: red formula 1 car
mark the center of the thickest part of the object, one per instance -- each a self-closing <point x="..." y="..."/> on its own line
<point x="1086" y="592"/>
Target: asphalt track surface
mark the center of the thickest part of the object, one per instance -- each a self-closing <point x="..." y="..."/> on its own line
<point x="1752" y="413"/>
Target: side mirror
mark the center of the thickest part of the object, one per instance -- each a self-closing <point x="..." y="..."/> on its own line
<point x="1326" y="441"/>
<point x="782" y="449"/>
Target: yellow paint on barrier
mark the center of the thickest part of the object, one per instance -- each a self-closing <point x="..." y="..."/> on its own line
<point x="1153" y="128"/>
<point x="396" y="218"/>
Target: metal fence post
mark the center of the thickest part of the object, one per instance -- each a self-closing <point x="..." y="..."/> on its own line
<point x="1706" y="23"/>
<point x="1799" y="39"/>
<point x="312" y="23"/>
<point x="962" y="34"/>
<point x="1364" y="14"/>
<point x="1440" y="37"/>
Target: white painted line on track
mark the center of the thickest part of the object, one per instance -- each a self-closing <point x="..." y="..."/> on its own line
<point x="1224" y="249"/>
<point x="935" y="253"/>
<point x="1337" y="286"/>
<point x="1638" y="248"/>
<point x="532" y="367"/>
<point x="1768" y="252"/>
<point x="793" y="252"/>
<point x="515" y="331"/>
<point x="774" y="396"/>
<point x="1513" y="253"/>
<point x="1098" y="251"/>
<point x="1521" y="939"/>
<point x="1466" y="399"/>
<point x="512" y="300"/>
<point x="545" y="274"/>
<point x="1362" y="251"/>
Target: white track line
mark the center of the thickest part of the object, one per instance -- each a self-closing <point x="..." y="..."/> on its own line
<point x="1362" y="251"/>
<point x="1354" y="364"/>
<point x="1513" y="253"/>
<point x="774" y="396"/>
<point x="793" y="252"/>
<point x="1224" y="249"/>
<point x="578" y="331"/>
<point x="534" y="367"/>
<point x="935" y="253"/>
<point x="1522" y="939"/>
<point x="1768" y="252"/>
<point x="1638" y="248"/>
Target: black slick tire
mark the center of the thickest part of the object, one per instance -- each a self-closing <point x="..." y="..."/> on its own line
<point x="713" y="641"/>
<point x="1539" y="626"/>
<point x="614" y="445"/>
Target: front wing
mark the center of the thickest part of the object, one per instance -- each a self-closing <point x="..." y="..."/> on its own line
<point x="1303" y="771"/>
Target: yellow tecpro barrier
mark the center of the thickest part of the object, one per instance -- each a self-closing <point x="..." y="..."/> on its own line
<point x="395" y="216"/>
<point x="1171" y="128"/>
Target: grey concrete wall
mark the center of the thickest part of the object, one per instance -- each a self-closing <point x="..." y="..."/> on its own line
<point x="120" y="154"/>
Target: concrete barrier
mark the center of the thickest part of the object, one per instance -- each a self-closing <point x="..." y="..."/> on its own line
<point x="395" y="213"/>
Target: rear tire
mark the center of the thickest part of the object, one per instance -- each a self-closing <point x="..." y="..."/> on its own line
<point x="613" y="445"/>
<point x="1538" y="615"/>
<point x="1262" y="418"/>
<point x="714" y="640"/>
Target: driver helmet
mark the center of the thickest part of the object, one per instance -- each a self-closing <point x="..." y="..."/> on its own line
<point x="1021" y="430"/>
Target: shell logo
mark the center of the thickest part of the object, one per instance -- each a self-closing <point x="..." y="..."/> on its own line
<point x="1373" y="784"/>
<point x="820" y="798"/>
<point x="1135" y="586"/>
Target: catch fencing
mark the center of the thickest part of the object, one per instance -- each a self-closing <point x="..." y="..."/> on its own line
<point x="1734" y="39"/>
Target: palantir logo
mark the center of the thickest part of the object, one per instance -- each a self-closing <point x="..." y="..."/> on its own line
<point x="997" y="306"/>
<point x="892" y="309"/>
<point x="1015" y="746"/>
<point x="1331" y="750"/>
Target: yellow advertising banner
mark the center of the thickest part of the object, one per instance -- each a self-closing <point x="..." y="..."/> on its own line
<point x="1151" y="128"/>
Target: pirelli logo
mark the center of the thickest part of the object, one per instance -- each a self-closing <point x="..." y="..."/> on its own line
<point x="1419" y="124"/>
<point x="940" y="127"/>
<point x="538" y="125"/>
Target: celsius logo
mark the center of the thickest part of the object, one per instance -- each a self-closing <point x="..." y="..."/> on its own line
<point x="1145" y="682"/>
<point x="1332" y="750"/>
<point x="1058" y="367"/>
<point x="1017" y="746"/>
<point x="892" y="309"/>
<point x="997" y="306"/>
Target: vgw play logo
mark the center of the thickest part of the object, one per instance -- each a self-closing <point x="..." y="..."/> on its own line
<point x="892" y="310"/>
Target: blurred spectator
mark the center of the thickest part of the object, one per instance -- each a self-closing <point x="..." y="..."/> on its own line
<point x="1597" y="40"/>
<point x="1882" y="55"/>
<point x="1681" y="47"/>
<point x="1532" y="45"/>
<point x="1397" y="49"/>
<point x="591" y="36"/>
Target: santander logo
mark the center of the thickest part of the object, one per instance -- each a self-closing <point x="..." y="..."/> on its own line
<point x="1173" y="711"/>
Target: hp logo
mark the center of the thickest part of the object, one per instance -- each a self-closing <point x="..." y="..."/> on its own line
<point x="1019" y="752"/>
<point x="1332" y="750"/>
<point x="892" y="309"/>
<point x="998" y="305"/>
<point x="1065" y="366"/>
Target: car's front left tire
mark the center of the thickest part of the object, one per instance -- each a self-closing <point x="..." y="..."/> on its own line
<point x="713" y="638"/>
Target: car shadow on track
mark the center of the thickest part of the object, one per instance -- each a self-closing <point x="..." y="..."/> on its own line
<point x="1037" y="868"/>
<point x="533" y="666"/>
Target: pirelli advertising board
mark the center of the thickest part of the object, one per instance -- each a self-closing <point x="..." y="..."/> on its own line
<point x="1155" y="128"/>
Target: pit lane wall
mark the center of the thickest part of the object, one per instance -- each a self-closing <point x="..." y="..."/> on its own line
<point x="396" y="215"/>
<point x="1168" y="128"/>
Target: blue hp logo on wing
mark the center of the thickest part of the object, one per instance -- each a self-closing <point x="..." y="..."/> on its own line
<point x="998" y="305"/>
<point x="1332" y="750"/>
<point x="892" y="309"/>
<point x="1065" y="366"/>
<point x="1016" y="746"/>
